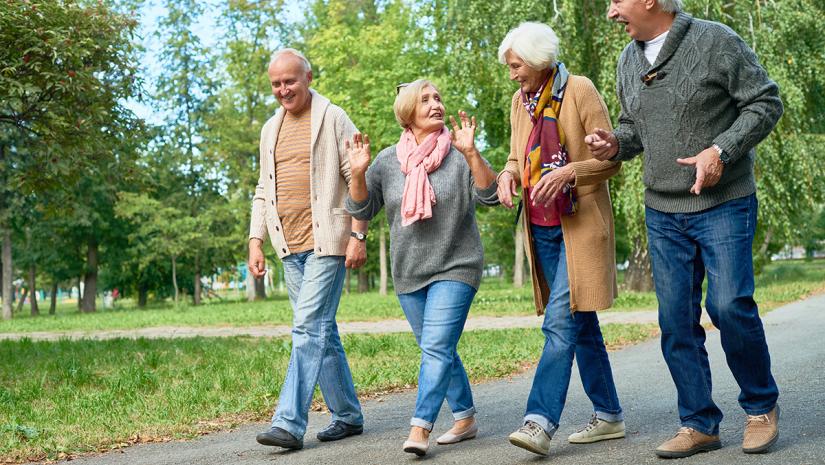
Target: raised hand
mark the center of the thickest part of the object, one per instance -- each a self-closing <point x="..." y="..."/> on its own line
<point x="358" y="152"/>
<point x="709" y="169"/>
<point x="463" y="137"/>
<point x="603" y="144"/>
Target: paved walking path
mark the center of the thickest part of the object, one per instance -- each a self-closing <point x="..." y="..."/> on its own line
<point x="795" y="335"/>
<point x="352" y="327"/>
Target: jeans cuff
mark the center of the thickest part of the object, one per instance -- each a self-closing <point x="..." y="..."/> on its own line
<point x="288" y="428"/>
<point x="702" y="429"/>
<point x="427" y="425"/>
<point x="349" y="419"/>
<point x="610" y="417"/>
<point x="548" y="426"/>
<point x="760" y="411"/>
<point x="464" y="414"/>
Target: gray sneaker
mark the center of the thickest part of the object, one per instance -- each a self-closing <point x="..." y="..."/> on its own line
<point x="597" y="430"/>
<point x="531" y="437"/>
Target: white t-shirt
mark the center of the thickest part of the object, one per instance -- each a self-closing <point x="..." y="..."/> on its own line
<point x="654" y="46"/>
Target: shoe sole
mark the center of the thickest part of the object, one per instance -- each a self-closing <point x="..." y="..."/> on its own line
<point x="763" y="448"/>
<point x="593" y="439"/>
<point x="268" y="442"/>
<point x="415" y="450"/>
<point x="528" y="446"/>
<point x="672" y="454"/>
<point x="337" y="438"/>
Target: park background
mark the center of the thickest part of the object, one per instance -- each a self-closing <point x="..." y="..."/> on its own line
<point x="129" y="155"/>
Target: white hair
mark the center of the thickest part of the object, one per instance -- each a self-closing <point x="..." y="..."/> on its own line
<point x="291" y="51"/>
<point x="670" y="6"/>
<point x="535" y="43"/>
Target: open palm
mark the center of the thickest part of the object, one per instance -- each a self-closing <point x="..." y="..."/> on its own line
<point x="463" y="137"/>
<point x="358" y="152"/>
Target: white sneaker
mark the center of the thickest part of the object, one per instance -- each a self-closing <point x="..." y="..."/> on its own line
<point x="597" y="430"/>
<point x="532" y="437"/>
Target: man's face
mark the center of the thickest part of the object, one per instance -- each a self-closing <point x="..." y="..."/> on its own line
<point x="634" y="14"/>
<point x="290" y="83"/>
<point x="529" y="79"/>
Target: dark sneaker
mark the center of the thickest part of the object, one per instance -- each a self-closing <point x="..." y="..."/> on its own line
<point x="761" y="432"/>
<point x="687" y="442"/>
<point x="339" y="430"/>
<point x="279" y="437"/>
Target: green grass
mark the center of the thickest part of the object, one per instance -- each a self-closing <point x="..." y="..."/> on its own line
<point x="780" y="283"/>
<point x="58" y="399"/>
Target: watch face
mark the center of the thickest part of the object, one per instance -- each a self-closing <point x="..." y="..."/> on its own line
<point x="359" y="236"/>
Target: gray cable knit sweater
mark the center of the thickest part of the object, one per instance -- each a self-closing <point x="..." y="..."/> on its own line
<point x="444" y="247"/>
<point x="710" y="89"/>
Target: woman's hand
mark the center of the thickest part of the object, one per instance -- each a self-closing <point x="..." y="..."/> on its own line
<point x="552" y="184"/>
<point x="358" y="152"/>
<point x="506" y="189"/>
<point x="463" y="137"/>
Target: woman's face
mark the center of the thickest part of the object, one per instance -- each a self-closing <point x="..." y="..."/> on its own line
<point x="528" y="78"/>
<point x="429" y="111"/>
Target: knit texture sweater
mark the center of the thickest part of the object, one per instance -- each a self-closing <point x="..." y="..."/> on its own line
<point x="709" y="89"/>
<point x="446" y="246"/>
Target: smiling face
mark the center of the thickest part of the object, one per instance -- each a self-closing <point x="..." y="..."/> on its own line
<point x="429" y="112"/>
<point x="529" y="79"/>
<point x="636" y="16"/>
<point x="290" y="83"/>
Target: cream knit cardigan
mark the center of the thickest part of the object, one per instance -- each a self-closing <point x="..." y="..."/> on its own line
<point x="329" y="178"/>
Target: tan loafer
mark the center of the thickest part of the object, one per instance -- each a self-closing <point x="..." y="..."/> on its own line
<point x="452" y="436"/>
<point x="761" y="432"/>
<point x="418" y="448"/>
<point x="687" y="442"/>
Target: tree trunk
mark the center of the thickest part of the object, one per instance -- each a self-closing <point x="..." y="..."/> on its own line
<point x="638" y="276"/>
<point x="196" y="295"/>
<point x="21" y="301"/>
<point x="143" y="294"/>
<point x="175" y="277"/>
<point x="363" y="281"/>
<point x="80" y="294"/>
<point x="53" y="302"/>
<point x="90" y="278"/>
<point x="33" y="287"/>
<point x="382" y="257"/>
<point x="8" y="292"/>
<point x="518" y="262"/>
<point x="260" y="288"/>
<point x="347" y="287"/>
<point x="255" y="288"/>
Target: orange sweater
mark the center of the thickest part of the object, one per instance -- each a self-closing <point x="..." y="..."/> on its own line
<point x="588" y="235"/>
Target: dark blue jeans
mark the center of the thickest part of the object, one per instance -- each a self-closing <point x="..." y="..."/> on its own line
<point x="683" y="248"/>
<point x="567" y="334"/>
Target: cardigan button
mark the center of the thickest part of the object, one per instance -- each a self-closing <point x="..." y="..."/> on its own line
<point x="273" y="203"/>
<point x="283" y="250"/>
<point x="277" y="228"/>
<point x="270" y="176"/>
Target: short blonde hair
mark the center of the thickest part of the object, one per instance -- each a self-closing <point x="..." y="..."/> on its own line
<point x="535" y="43"/>
<point x="407" y="99"/>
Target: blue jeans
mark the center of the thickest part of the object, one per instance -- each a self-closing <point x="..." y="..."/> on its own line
<point x="437" y="314"/>
<point x="566" y="334"/>
<point x="683" y="247"/>
<point x="314" y="285"/>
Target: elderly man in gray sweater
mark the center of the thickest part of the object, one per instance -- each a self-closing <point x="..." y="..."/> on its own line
<point x="696" y="101"/>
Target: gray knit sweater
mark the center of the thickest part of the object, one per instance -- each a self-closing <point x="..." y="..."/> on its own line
<point x="712" y="90"/>
<point x="444" y="247"/>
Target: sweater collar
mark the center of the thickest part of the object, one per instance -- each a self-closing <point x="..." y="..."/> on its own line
<point x="678" y="31"/>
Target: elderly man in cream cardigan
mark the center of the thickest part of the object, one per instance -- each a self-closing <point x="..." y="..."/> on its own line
<point x="299" y="204"/>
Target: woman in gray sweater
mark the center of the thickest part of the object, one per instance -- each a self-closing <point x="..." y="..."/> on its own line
<point x="430" y="183"/>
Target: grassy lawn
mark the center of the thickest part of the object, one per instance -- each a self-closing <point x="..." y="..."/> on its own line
<point x="780" y="283"/>
<point x="63" y="398"/>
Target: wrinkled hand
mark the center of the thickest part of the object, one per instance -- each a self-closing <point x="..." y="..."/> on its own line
<point x="552" y="184"/>
<point x="463" y="137"/>
<point x="709" y="169"/>
<point x="603" y="144"/>
<point x="356" y="253"/>
<point x="358" y="152"/>
<point x="506" y="189"/>
<point x="257" y="262"/>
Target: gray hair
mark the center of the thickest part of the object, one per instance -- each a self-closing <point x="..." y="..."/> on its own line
<point x="291" y="51"/>
<point x="535" y="43"/>
<point x="670" y="6"/>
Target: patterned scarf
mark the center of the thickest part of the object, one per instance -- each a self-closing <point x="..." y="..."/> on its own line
<point x="545" y="149"/>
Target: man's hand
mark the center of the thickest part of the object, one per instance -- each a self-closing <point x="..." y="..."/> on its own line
<point x="506" y="189"/>
<point x="257" y="262"/>
<point x="552" y="184"/>
<point x="356" y="253"/>
<point x="603" y="144"/>
<point x="709" y="169"/>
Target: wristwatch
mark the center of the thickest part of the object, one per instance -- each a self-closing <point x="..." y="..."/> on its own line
<point x="359" y="235"/>
<point x="722" y="155"/>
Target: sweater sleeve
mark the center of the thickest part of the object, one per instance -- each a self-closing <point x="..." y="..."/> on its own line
<point x="593" y="113"/>
<point x="370" y="207"/>
<point x="755" y="94"/>
<point x="487" y="196"/>
<point x="630" y="144"/>
<point x="512" y="159"/>
<point x="257" y="224"/>
<point x="344" y="130"/>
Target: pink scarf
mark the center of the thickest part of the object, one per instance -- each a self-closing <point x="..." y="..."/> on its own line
<point x="416" y="161"/>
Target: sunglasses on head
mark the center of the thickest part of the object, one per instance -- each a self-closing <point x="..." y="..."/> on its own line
<point x="400" y="86"/>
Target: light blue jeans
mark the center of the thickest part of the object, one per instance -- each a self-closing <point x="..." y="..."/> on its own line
<point x="314" y="285"/>
<point x="567" y="334"/>
<point x="437" y="314"/>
